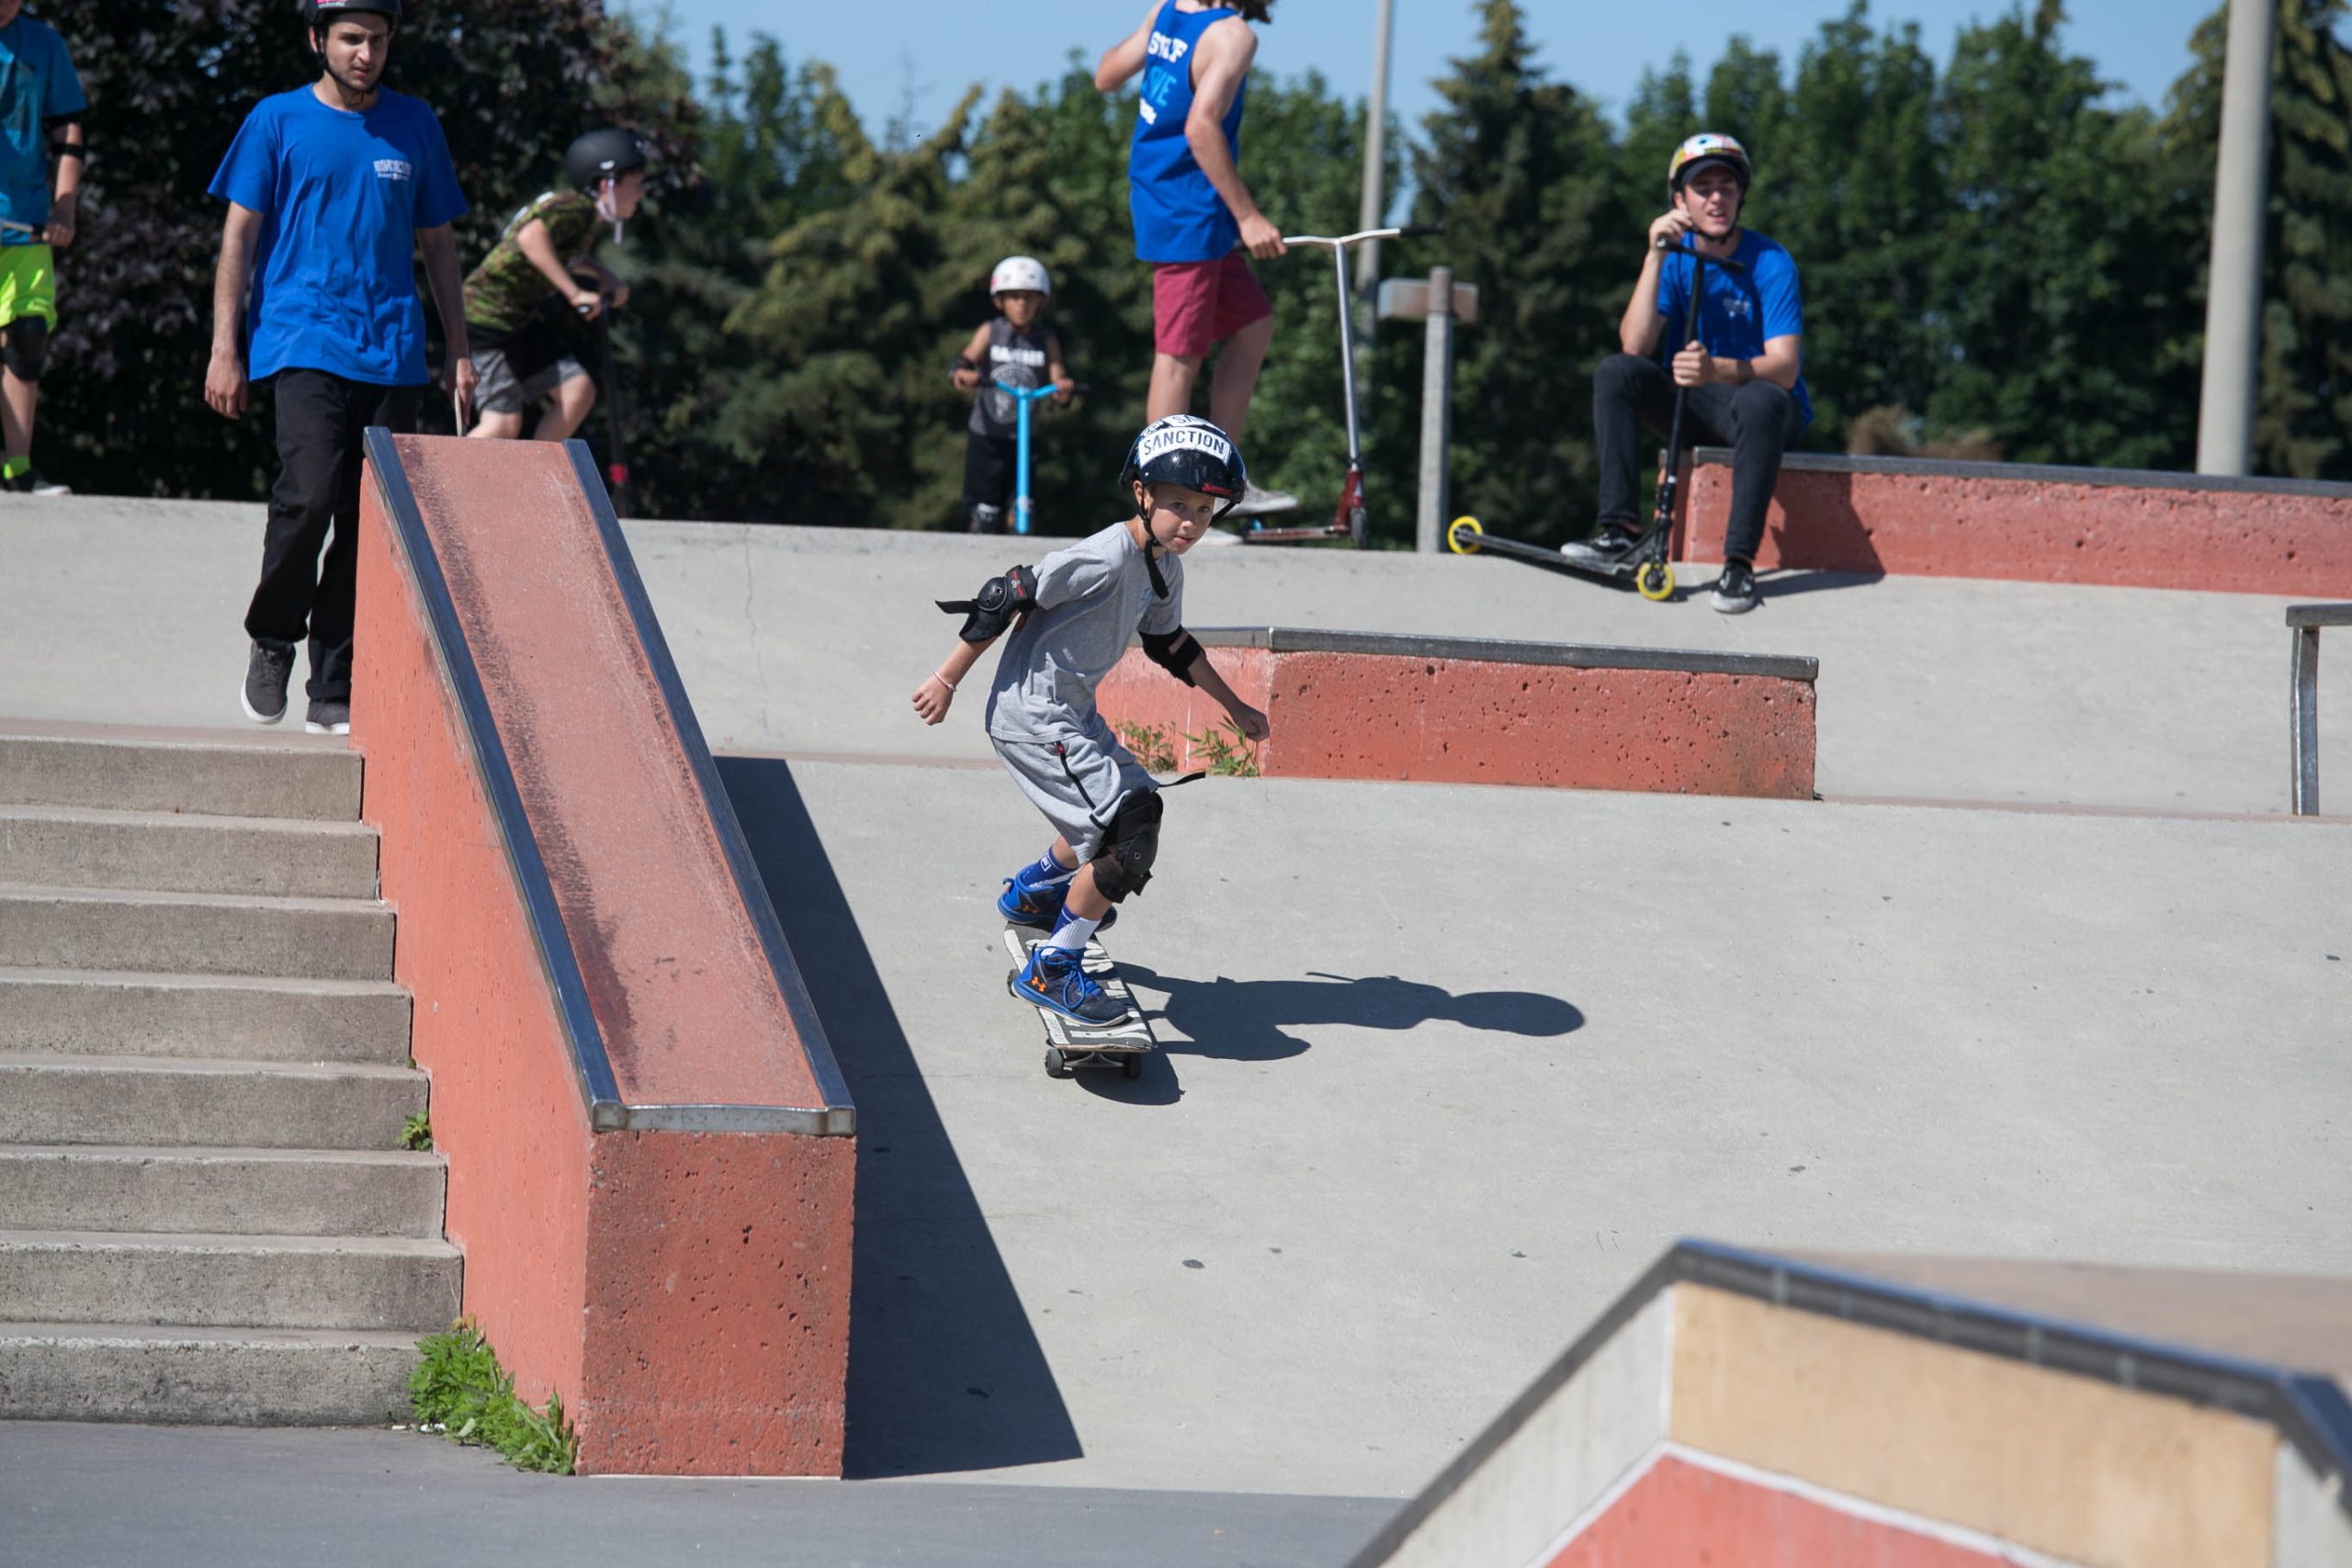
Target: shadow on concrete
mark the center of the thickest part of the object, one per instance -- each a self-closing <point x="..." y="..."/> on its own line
<point x="945" y="1372"/>
<point x="1246" y="1019"/>
<point x="1786" y="581"/>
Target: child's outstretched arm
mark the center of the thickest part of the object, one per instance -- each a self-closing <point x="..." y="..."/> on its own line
<point x="988" y="614"/>
<point x="1246" y="719"/>
<point x="937" y="691"/>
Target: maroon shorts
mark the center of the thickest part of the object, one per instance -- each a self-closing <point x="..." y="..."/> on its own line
<point x="1197" y="304"/>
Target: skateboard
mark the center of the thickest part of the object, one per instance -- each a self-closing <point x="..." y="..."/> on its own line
<point x="1071" y="1045"/>
<point x="1646" y="568"/>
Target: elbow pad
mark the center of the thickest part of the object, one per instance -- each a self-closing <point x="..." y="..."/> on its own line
<point x="1000" y="601"/>
<point x="1173" y="652"/>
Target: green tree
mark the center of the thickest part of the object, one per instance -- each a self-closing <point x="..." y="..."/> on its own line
<point x="1522" y="172"/>
<point x="2304" y="401"/>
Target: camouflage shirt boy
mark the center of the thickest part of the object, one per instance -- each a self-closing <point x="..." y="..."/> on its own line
<point x="505" y="291"/>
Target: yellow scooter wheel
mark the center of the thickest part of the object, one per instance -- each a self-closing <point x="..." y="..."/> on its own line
<point x="1654" y="580"/>
<point x="1462" y="536"/>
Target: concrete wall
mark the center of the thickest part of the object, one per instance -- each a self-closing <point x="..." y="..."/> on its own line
<point x="680" y="1277"/>
<point x="1340" y="714"/>
<point x="1918" y="518"/>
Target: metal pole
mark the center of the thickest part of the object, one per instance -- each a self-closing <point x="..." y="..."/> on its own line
<point x="2303" y="716"/>
<point x="1375" y="202"/>
<point x="2233" y="287"/>
<point x="1437" y="411"/>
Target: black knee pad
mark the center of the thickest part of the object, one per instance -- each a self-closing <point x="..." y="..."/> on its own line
<point x="23" y="346"/>
<point x="1124" y="863"/>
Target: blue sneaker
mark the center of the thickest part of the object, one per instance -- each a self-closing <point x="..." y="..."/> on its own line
<point x="1040" y="907"/>
<point x="1053" y="979"/>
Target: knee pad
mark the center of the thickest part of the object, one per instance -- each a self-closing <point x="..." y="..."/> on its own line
<point x="23" y="346"/>
<point x="1124" y="863"/>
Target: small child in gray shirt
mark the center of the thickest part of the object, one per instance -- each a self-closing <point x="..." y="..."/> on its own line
<point x="1071" y="617"/>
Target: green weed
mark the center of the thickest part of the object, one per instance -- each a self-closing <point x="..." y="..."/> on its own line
<point x="459" y="1391"/>
<point x="416" y="1133"/>
<point x="1226" y="750"/>
<point x="1152" y="746"/>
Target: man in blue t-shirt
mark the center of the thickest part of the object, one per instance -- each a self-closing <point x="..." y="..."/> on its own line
<point x="331" y="190"/>
<point x="1740" y="375"/>
<point x="41" y="119"/>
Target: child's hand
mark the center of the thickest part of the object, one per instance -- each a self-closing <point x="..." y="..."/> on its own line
<point x="1063" y="387"/>
<point x="1249" y="720"/>
<point x="932" y="699"/>
<point x="588" y="302"/>
<point x="964" y="379"/>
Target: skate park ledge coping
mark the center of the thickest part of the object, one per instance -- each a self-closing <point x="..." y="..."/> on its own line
<point x="1496" y="650"/>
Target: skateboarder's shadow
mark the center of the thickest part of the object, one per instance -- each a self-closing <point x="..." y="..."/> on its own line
<point x="1246" y="1019"/>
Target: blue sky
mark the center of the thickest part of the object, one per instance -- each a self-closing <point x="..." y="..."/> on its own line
<point x="892" y="54"/>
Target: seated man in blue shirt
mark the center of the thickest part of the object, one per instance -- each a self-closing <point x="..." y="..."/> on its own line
<point x="332" y="189"/>
<point x="1739" y="375"/>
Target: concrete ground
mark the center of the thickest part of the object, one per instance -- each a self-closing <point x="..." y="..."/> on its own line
<point x="1447" y="1066"/>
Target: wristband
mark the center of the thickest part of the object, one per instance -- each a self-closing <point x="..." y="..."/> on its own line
<point x="943" y="680"/>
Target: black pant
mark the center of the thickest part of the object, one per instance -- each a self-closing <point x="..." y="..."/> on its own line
<point x="319" y="418"/>
<point x="989" y="465"/>
<point x="1757" y="422"/>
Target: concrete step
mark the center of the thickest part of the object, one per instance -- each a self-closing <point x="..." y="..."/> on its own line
<point x="104" y="1012"/>
<point x="284" y="777"/>
<point x="395" y="1283"/>
<point x="62" y="928"/>
<point x="205" y="1104"/>
<point x="238" y="1377"/>
<point x="72" y="846"/>
<point x="376" y="1192"/>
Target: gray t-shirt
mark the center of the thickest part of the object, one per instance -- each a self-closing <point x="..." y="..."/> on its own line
<point x="1091" y="599"/>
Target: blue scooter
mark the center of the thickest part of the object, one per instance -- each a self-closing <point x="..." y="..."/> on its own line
<point x="1024" y="509"/>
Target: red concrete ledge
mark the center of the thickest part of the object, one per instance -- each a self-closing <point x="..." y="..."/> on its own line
<point x="650" y="1165"/>
<point x="1463" y="710"/>
<point x="2115" y="528"/>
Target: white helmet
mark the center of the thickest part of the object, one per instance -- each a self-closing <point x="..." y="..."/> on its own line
<point x="1015" y="273"/>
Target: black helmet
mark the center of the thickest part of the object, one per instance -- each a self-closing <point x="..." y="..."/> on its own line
<point x="317" y="14"/>
<point x="1184" y="449"/>
<point x="600" y="154"/>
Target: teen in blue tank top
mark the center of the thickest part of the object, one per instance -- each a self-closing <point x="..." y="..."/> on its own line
<point x="1193" y="217"/>
<point x="1178" y="215"/>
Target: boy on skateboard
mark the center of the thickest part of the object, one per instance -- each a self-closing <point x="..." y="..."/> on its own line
<point x="1010" y="349"/>
<point x="1071" y="617"/>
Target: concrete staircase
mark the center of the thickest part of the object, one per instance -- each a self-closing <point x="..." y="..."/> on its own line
<point x="204" y="1211"/>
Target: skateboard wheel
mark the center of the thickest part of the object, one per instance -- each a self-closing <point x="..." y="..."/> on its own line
<point x="1462" y="536"/>
<point x="1131" y="1066"/>
<point x="1654" y="580"/>
<point x="1055" y="1066"/>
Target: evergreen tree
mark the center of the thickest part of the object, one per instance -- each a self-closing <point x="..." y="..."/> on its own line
<point x="1521" y="171"/>
<point x="2304" y="401"/>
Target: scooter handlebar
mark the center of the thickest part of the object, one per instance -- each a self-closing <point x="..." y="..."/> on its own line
<point x="1408" y="232"/>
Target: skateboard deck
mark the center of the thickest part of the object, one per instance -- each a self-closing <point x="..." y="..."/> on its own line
<point x="1069" y="1045"/>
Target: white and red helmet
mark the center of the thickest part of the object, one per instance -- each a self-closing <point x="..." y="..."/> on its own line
<point x="1016" y="274"/>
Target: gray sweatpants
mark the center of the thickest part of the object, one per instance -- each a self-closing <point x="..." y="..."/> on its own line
<point x="1077" y="783"/>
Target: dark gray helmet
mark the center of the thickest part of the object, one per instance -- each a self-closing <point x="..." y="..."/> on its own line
<point x="600" y="155"/>
<point x="1184" y="449"/>
<point x="317" y="14"/>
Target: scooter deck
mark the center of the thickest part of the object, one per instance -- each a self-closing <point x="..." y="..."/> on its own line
<point x="1069" y="1045"/>
<point x="1464" y="538"/>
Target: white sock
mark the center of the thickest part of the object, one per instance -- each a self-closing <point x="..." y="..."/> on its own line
<point x="1072" y="933"/>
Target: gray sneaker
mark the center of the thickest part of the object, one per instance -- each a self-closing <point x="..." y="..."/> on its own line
<point x="1734" y="592"/>
<point x="267" y="668"/>
<point x="328" y="718"/>
<point x="1605" y="550"/>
